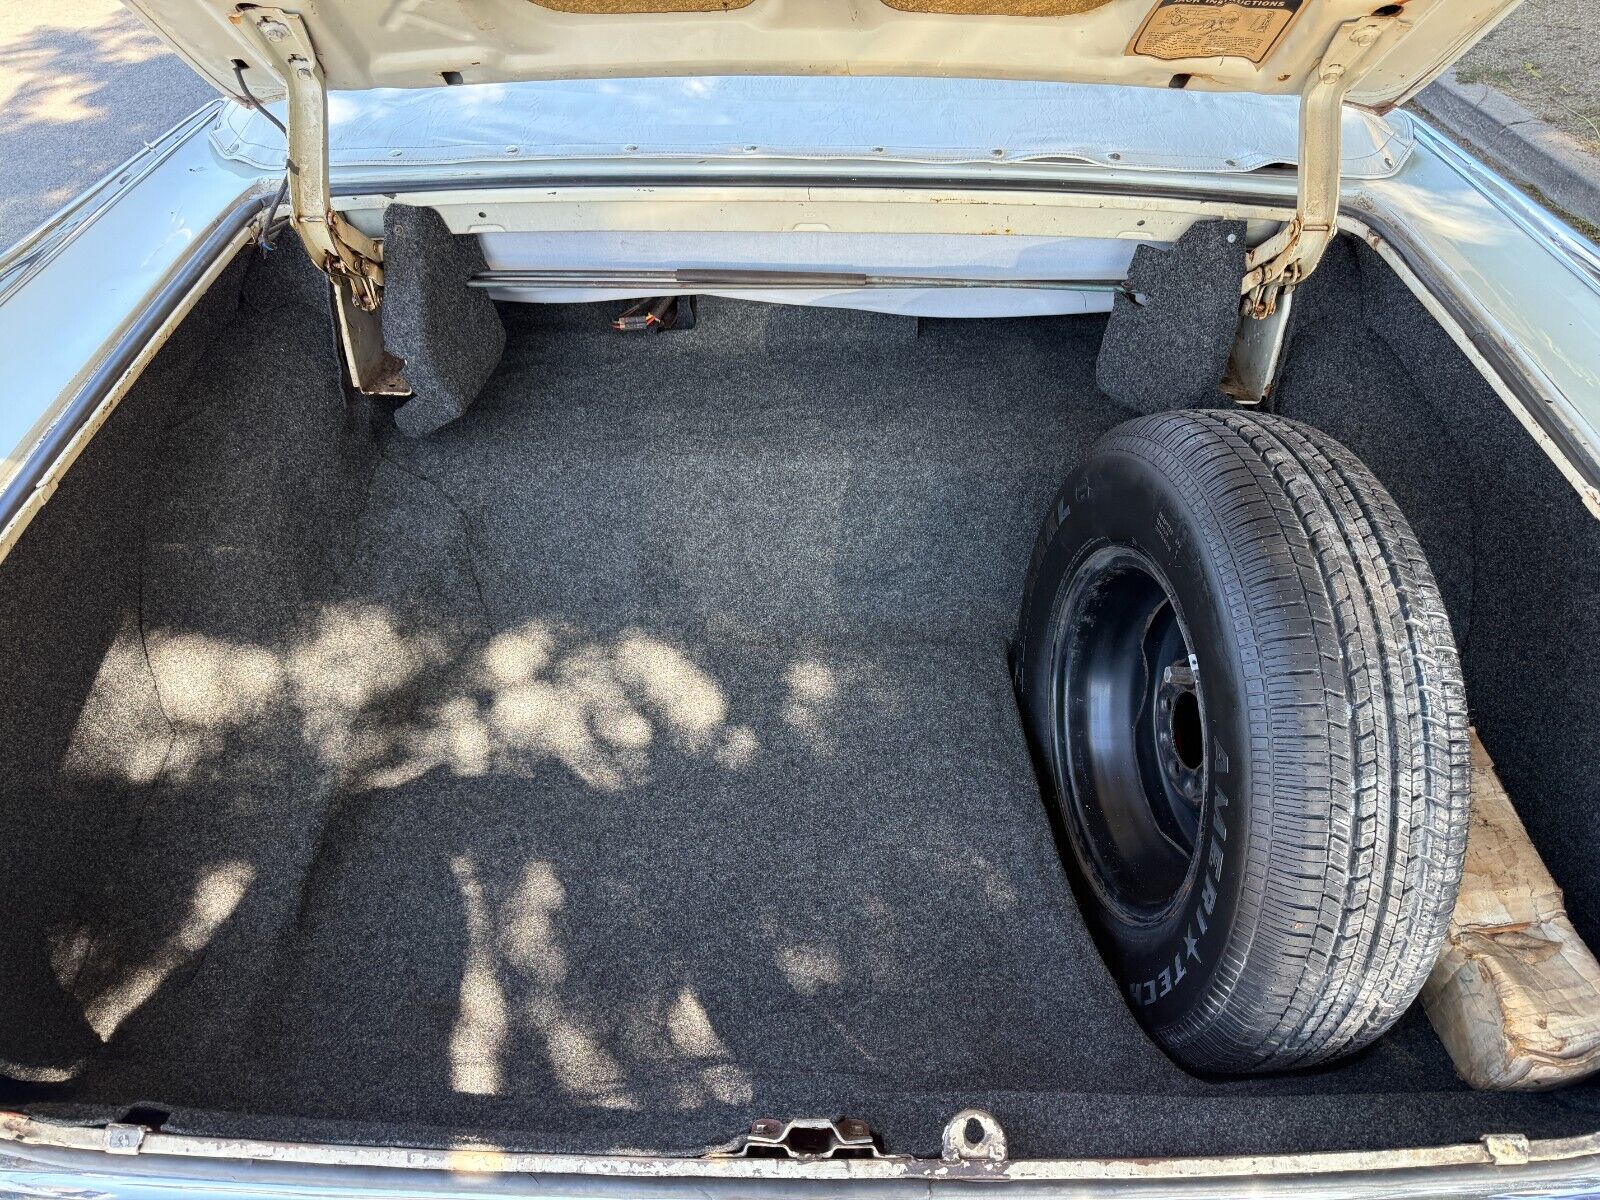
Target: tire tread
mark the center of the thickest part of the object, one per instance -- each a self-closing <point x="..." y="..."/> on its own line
<point x="1361" y="729"/>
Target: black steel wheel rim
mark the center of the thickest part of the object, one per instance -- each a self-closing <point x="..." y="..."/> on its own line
<point x="1129" y="730"/>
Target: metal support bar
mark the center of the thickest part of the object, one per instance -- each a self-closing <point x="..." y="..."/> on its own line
<point x="692" y="278"/>
<point x="1281" y="262"/>
<point x="371" y="368"/>
<point x="1258" y="354"/>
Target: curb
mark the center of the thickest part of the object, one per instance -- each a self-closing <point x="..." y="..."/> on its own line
<point x="1516" y="143"/>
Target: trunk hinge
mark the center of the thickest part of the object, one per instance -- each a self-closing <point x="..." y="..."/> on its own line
<point x="1275" y="267"/>
<point x="352" y="261"/>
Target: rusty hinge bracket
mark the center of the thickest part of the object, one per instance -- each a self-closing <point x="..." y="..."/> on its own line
<point x="352" y="261"/>
<point x="1275" y="267"/>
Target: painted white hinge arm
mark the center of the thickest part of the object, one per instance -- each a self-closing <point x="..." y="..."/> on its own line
<point x="336" y="246"/>
<point x="352" y="261"/>
<point x="1282" y="261"/>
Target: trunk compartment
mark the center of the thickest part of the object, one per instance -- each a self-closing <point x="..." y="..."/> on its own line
<point x="634" y="758"/>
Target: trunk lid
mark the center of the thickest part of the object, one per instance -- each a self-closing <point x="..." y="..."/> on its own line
<point x="1260" y="46"/>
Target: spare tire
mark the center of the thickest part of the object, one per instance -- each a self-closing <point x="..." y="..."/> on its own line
<point x="1239" y="678"/>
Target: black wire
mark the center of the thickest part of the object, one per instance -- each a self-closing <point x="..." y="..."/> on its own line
<point x="275" y="223"/>
<point x="249" y="97"/>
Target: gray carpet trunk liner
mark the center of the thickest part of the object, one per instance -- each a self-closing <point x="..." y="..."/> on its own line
<point x="632" y="758"/>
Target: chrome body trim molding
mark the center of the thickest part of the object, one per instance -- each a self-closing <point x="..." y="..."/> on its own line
<point x="24" y="260"/>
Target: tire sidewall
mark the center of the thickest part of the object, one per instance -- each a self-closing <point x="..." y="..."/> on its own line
<point x="1167" y="968"/>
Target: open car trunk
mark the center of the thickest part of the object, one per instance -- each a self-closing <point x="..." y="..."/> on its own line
<point x="637" y="756"/>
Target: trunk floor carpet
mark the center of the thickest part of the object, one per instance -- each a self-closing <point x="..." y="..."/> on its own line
<point x="649" y="764"/>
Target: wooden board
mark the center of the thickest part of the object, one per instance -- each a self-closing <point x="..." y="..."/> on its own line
<point x="1515" y="997"/>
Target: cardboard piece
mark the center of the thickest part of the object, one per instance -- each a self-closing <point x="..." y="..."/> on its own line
<point x="1515" y="996"/>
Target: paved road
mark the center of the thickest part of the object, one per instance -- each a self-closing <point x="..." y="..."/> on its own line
<point x="82" y="84"/>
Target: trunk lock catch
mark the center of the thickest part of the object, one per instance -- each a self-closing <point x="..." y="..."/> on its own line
<point x="974" y="1136"/>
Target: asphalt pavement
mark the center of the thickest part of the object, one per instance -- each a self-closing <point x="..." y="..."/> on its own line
<point x="82" y="85"/>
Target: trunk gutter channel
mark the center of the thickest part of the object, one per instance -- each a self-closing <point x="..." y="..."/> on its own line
<point x="1497" y="1165"/>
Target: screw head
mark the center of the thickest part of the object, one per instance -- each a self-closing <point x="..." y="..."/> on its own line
<point x="274" y="31"/>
